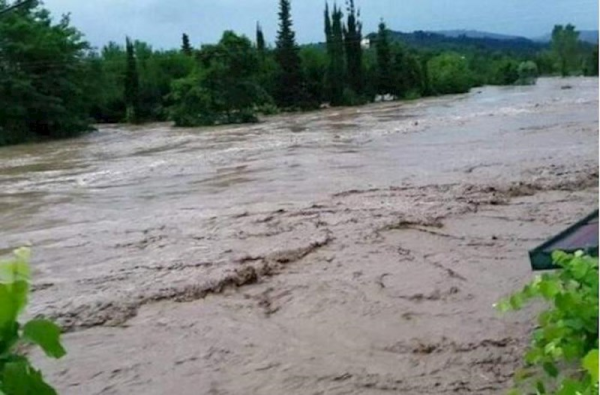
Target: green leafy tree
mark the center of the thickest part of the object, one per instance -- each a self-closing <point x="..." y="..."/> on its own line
<point x="42" y="76"/>
<point x="426" y="80"/>
<point x="315" y="62"/>
<point x="186" y="47"/>
<point x="224" y="89"/>
<point x="156" y="71"/>
<point x="565" y="47"/>
<point x="17" y="375"/>
<point x="108" y="70"/>
<point x="546" y="62"/>
<point x="354" y="51"/>
<point x="449" y="73"/>
<point x="385" y="80"/>
<point x="268" y="73"/>
<point x="132" y="84"/>
<point x="162" y="68"/>
<point x="290" y="88"/>
<point x="268" y="69"/>
<point x="590" y="63"/>
<point x="407" y="73"/>
<point x="505" y="71"/>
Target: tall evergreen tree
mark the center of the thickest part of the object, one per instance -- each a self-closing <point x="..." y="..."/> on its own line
<point x="329" y="48"/>
<point x="260" y="39"/>
<point x="132" y="84"/>
<point x="186" y="48"/>
<point x="290" y="89"/>
<point x="328" y="37"/>
<point x="336" y="69"/>
<point x="385" y="81"/>
<point x="354" y="53"/>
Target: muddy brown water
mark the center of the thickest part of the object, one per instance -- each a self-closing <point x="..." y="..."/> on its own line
<point x="347" y="251"/>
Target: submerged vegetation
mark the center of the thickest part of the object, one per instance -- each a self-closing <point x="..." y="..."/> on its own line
<point x="54" y="85"/>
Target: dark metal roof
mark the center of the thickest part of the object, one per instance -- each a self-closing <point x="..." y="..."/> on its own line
<point x="581" y="236"/>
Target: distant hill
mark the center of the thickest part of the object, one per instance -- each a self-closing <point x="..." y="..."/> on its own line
<point x="476" y="34"/>
<point x="459" y="40"/>
<point x="588" y="36"/>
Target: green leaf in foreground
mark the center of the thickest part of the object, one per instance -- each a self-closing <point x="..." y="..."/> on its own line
<point x="563" y="355"/>
<point x="17" y="376"/>
<point x="46" y="335"/>
<point x="590" y="363"/>
<point x="16" y="269"/>
<point x="20" y="378"/>
<point x="13" y="298"/>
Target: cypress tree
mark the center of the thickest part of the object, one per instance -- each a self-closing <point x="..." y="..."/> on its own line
<point x="260" y="39"/>
<point x="290" y="89"/>
<point x="354" y="54"/>
<point x="385" y="83"/>
<point x="328" y="38"/>
<point x="132" y="84"/>
<point x="337" y="66"/>
<point x="329" y="46"/>
<point x="186" y="48"/>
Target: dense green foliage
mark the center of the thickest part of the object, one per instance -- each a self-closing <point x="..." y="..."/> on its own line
<point x="52" y="85"/>
<point x="528" y="73"/>
<point x="565" y="46"/>
<point x="435" y="42"/>
<point x="17" y="375"/>
<point x="563" y="356"/>
<point x="43" y="88"/>
<point x="156" y="72"/>
<point x="449" y="73"/>
<point x="224" y="90"/>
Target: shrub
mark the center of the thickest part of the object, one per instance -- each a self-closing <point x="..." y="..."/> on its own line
<point x="528" y="73"/>
<point x="449" y="73"/>
<point x="505" y="72"/>
<point x="17" y="375"/>
<point x="267" y="109"/>
<point x="351" y="98"/>
<point x="563" y="356"/>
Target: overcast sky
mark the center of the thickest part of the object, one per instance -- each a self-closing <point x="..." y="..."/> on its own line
<point x="161" y="22"/>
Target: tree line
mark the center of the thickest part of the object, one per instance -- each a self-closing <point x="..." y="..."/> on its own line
<point x="54" y="85"/>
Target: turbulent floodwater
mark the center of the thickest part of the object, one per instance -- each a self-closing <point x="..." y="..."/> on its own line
<point x="390" y="228"/>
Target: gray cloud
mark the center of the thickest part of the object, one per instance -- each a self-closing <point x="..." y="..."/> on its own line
<point x="161" y="22"/>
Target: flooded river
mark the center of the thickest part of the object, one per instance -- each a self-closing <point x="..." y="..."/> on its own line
<point x="390" y="228"/>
